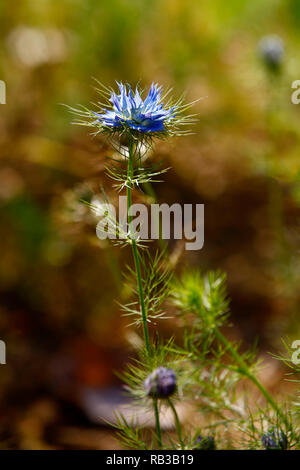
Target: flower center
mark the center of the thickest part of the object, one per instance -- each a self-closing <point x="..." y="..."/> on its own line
<point x="139" y="117"/>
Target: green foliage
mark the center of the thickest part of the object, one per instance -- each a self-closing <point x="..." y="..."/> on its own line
<point x="211" y="373"/>
<point x="204" y="296"/>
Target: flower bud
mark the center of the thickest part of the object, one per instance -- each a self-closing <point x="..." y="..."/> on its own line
<point x="274" y="440"/>
<point x="205" y="443"/>
<point x="161" y="383"/>
<point x="271" y="50"/>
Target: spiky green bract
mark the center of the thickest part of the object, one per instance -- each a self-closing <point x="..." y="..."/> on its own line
<point x="204" y="296"/>
<point x="130" y="435"/>
<point x="141" y="175"/>
<point x="156" y="283"/>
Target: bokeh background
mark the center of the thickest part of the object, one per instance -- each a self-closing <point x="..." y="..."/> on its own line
<point x="59" y="318"/>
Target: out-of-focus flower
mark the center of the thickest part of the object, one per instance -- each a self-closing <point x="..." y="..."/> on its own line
<point x="161" y="383"/>
<point x="33" y="47"/>
<point x="271" y="50"/>
<point x="274" y="439"/>
<point x="205" y="443"/>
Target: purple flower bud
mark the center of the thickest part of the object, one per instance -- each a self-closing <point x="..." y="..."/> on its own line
<point x="274" y="440"/>
<point x="271" y="50"/>
<point x="205" y="443"/>
<point x="161" y="383"/>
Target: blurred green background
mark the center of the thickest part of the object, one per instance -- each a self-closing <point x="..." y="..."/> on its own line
<point x="58" y="285"/>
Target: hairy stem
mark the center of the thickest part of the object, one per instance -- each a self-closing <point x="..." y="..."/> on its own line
<point x="135" y="249"/>
<point x="157" y="423"/>
<point x="177" y="423"/>
<point x="139" y="279"/>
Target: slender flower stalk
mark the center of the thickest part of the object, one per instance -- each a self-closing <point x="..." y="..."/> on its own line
<point x="157" y="423"/>
<point x="135" y="249"/>
<point x="177" y="423"/>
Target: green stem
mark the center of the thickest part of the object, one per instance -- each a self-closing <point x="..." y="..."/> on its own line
<point x="139" y="279"/>
<point x="245" y="371"/>
<point x="135" y="250"/>
<point x="157" y="423"/>
<point x="177" y="423"/>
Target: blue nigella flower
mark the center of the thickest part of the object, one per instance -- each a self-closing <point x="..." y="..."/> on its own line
<point x="127" y="112"/>
<point x="129" y="109"/>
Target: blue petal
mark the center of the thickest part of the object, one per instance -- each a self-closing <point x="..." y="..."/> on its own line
<point x="137" y="98"/>
<point x="115" y="102"/>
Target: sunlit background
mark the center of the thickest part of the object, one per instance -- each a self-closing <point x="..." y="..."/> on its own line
<point x="59" y="317"/>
